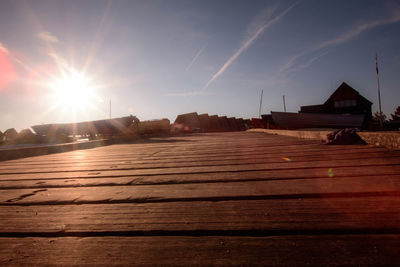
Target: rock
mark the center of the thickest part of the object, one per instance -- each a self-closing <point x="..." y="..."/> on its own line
<point x="344" y="137"/>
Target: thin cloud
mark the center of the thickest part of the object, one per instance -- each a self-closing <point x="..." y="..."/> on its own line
<point x="254" y="30"/>
<point x="259" y="21"/>
<point x="194" y="58"/>
<point x="343" y="38"/>
<point x="15" y="59"/>
<point x="47" y="37"/>
<point x="3" y="49"/>
<point x="247" y="44"/>
<point x="310" y="61"/>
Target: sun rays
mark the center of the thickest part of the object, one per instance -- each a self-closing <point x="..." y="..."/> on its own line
<point x="72" y="91"/>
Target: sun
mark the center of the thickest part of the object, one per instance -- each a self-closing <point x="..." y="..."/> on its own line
<point x="73" y="91"/>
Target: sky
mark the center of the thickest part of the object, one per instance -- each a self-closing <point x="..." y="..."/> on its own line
<point x="64" y="61"/>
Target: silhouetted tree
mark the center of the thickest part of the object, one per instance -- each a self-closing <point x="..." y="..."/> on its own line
<point x="396" y="115"/>
<point x="377" y="117"/>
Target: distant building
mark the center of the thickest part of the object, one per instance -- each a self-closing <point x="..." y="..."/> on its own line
<point x="345" y="100"/>
<point x="10" y="134"/>
<point x="189" y="121"/>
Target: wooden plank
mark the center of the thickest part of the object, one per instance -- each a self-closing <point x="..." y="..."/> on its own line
<point x="272" y="216"/>
<point x="311" y="155"/>
<point x="141" y="150"/>
<point x="192" y="162"/>
<point x="204" y="191"/>
<point x="194" y="178"/>
<point x="207" y="250"/>
<point x="110" y="162"/>
<point x="366" y="163"/>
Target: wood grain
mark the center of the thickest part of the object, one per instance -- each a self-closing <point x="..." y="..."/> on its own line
<point x="205" y="199"/>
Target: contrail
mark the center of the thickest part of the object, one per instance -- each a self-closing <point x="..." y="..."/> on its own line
<point x="194" y="58"/>
<point x="343" y="38"/>
<point x="247" y="44"/>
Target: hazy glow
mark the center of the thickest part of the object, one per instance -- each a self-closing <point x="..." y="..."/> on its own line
<point x="73" y="91"/>
<point x="7" y="71"/>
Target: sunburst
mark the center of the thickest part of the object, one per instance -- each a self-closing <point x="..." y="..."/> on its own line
<point x="72" y="92"/>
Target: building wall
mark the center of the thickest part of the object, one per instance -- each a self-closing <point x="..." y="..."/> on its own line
<point x="345" y="100"/>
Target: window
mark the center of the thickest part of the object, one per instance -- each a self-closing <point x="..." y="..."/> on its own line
<point x="345" y="103"/>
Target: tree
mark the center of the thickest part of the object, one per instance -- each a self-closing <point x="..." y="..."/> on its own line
<point x="396" y="115"/>
<point x="378" y="116"/>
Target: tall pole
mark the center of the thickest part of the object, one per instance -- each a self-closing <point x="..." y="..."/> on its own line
<point x="259" y="110"/>
<point x="284" y="103"/>
<point x="379" y="92"/>
<point x="110" y="109"/>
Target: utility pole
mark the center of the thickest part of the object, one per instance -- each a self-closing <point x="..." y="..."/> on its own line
<point x="259" y="110"/>
<point x="379" y="92"/>
<point x="110" y="109"/>
<point x="284" y="103"/>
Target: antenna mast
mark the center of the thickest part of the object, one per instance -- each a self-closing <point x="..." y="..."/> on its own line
<point x="284" y="103"/>
<point x="379" y="92"/>
<point x="110" y="109"/>
<point x="259" y="110"/>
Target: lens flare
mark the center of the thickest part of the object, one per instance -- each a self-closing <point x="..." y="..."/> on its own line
<point x="7" y="71"/>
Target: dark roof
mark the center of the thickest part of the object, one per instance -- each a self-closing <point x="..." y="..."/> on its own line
<point x="10" y="132"/>
<point x="189" y="119"/>
<point x="115" y="125"/>
<point x="346" y="91"/>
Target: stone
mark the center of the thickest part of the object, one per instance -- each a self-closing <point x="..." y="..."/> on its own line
<point x="344" y="137"/>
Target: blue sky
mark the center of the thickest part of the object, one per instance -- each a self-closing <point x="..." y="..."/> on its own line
<point x="157" y="59"/>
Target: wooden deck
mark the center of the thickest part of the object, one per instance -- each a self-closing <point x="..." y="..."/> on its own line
<point x="209" y="199"/>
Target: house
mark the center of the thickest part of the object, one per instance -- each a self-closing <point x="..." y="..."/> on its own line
<point x="189" y="121"/>
<point x="10" y="134"/>
<point x="204" y="122"/>
<point x="223" y="121"/>
<point x="215" y="125"/>
<point x="345" y="100"/>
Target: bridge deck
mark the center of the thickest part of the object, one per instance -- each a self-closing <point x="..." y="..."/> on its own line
<point x="223" y="199"/>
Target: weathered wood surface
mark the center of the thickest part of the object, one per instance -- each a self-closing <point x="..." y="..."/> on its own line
<point x="275" y="216"/>
<point x="295" y="250"/>
<point x="222" y="199"/>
